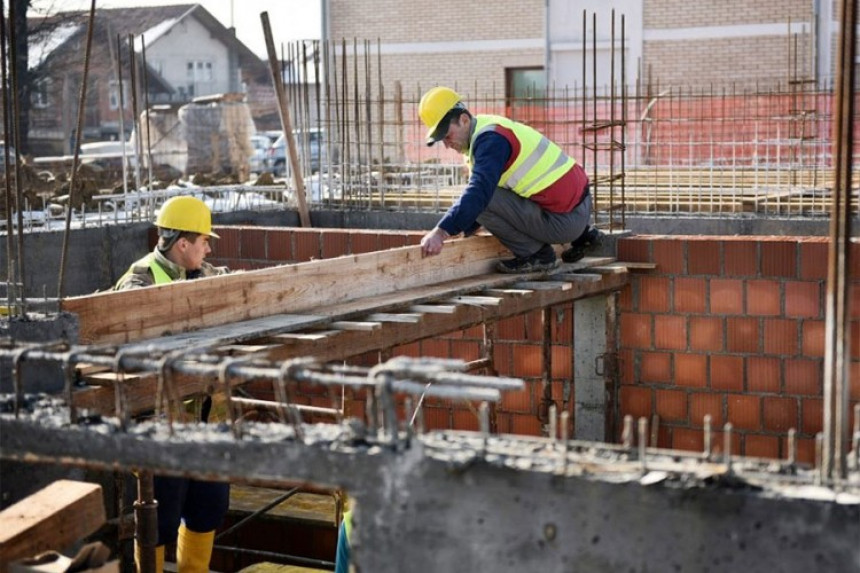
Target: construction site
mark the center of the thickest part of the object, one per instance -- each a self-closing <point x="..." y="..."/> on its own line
<point x="686" y="397"/>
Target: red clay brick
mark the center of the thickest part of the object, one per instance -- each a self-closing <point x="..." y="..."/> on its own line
<point x="656" y="367"/>
<point x="525" y="425"/>
<point x="654" y="294"/>
<point x="744" y="411"/>
<point x="635" y="401"/>
<point x="763" y="374"/>
<point x="280" y="245"/>
<point x="391" y="240"/>
<point x="727" y="296"/>
<point x="669" y="256"/>
<point x="364" y="242"/>
<point x="412" y="349"/>
<point x="528" y="360"/>
<point x="625" y="299"/>
<point x="561" y="361"/>
<point x="855" y="339"/>
<point x="636" y="330"/>
<point x="672" y="405"/>
<point x="534" y="326"/>
<point x="227" y="246"/>
<point x="813" y="259"/>
<point x="437" y="347"/>
<point x="307" y="245"/>
<point x="813" y="338"/>
<point x="670" y="332"/>
<point x="780" y="337"/>
<point x="703" y="257"/>
<point x="780" y="414"/>
<point x="803" y="377"/>
<point x="742" y="334"/>
<point x="727" y="372"/>
<point x="413" y="238"/>
<point x="626" y="366"/>
<point x="702" y="404"/>
<point x="803" y="299"/>
<point x="465" y="420"/>
<point x="503" y="359"/>
<point x="562" y="325"/>
<point x="806" y="450"/>
<point x="691" y="370"/>
<point x="761" y="446"/>
<point x="706" y="333"/>
<point x="763" y="297"/>
<point x="741" y="258"/>
<point x="688" y="440"/>
<point x="517" y="400"/>
<point x="854" y="391"/>
<point x="812" y="416"/>
<point x="512" y="328"/>
<point x="465" y="350"/>
<point x="253" y="244"/>
<point x="436" y="418"/>
<point x="334" y="244"/>
<point x="690" y="295"/>
<point x="779" y="259"/>
<point x="634" y="250"/>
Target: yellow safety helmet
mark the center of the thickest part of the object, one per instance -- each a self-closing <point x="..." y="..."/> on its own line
<point x="186" y="214"/>
<point x="434" y="107"/>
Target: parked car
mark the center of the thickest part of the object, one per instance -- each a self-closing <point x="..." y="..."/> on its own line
<point x="311" y="148"/>
<point x="260" y="144"/>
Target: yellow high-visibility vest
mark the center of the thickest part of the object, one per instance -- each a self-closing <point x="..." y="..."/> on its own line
<point x="539" y="164"/>
<point x="158" y="273"/>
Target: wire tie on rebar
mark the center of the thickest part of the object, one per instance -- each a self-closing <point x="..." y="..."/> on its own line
<point x="792" y="447"/>
<point x="484" y="425"/>
<point x="69" y="379"/>
<point x="224" y="380"/>
<point x="553" y="424"/>
<point x="565" y="431"/>
<point x="407" y="404"/>
<point x="643" y="443"/>
<point x="288" y="372"/>
<point x="167" y="372"/>
<point x="819" y="458"/>
<point x="17" y="378"/>
<point x="385" y="397"/>
<point x="119" y="391"/>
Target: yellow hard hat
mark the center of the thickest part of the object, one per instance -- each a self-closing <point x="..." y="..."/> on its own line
<point x="435" y="105"/>
<point x="186" y="214"/>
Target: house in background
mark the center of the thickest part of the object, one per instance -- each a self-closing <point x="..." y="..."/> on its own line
<point x="188" y="52"/>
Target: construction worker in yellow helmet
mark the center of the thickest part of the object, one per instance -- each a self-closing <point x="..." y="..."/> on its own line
<point x="523" y="188"/>
<point x="189" y="511"/>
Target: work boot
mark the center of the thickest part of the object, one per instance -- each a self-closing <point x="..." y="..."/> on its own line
<point x="194" y="550"/>
<point x="543" y="260"/>
<point x="159" y="558"/>
<point x="589" y="240"/>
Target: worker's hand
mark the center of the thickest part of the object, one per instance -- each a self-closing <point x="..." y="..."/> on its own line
<point x="431" y="243"/>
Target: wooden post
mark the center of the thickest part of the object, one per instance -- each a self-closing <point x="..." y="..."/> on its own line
<point x="286" y="121"/>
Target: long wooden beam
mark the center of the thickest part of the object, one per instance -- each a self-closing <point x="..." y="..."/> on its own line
<point x="127" y="316"/>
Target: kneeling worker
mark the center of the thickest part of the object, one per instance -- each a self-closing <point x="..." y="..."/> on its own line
<point x="522" y="187"/>
<point x="189" y="510"/>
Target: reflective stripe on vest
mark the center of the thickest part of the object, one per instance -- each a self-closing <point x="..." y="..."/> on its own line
<point x="158" y="273"/>
<point x="539" y="164"/>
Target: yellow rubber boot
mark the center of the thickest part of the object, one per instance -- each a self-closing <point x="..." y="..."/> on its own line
<point x="194" y="550"/>
<point x="159" y="558"/>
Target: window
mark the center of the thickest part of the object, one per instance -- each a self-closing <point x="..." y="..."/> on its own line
<point x="199" y="71"/>
<point x="39" y="93"/>
<point x="113" y="95"/>
<point x="525" y="83"/>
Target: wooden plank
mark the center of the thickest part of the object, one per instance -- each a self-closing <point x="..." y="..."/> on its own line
<point x="508" y="292"/>
<point x="434" y="308"/>
<point x="577" y="277"/>
<point x="127" y="316"/>
<point x="52" y="518"/>
<point x="291" y="336"/>
<point x="356" y="325"/>
<point x="233" y="333"/>
<point x="395" y="317"/>
<point x="544" y="285"/>
<point x="475" y="300"/>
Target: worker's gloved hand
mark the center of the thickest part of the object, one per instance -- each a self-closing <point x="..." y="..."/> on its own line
<point x="431" y="243"/>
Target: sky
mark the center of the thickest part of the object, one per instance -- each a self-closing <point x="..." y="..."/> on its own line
<point x="289" y="19"/>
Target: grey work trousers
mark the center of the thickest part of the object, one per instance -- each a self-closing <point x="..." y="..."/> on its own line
<point x="524" y="227"/>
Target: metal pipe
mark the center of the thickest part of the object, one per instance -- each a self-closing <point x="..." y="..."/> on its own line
<point x="276" y="502"/>
<point x="271" y="555"/>
<point x="16" y="135"/>
<point x="146" y="521"/>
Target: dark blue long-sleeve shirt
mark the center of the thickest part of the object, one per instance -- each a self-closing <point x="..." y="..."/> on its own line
<point x="491" y="152"/>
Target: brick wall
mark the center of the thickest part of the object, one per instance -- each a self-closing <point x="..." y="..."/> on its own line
<point x="727" y="326"/>
<point x="686" y="14"/>
<point x="731" y="327"/>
